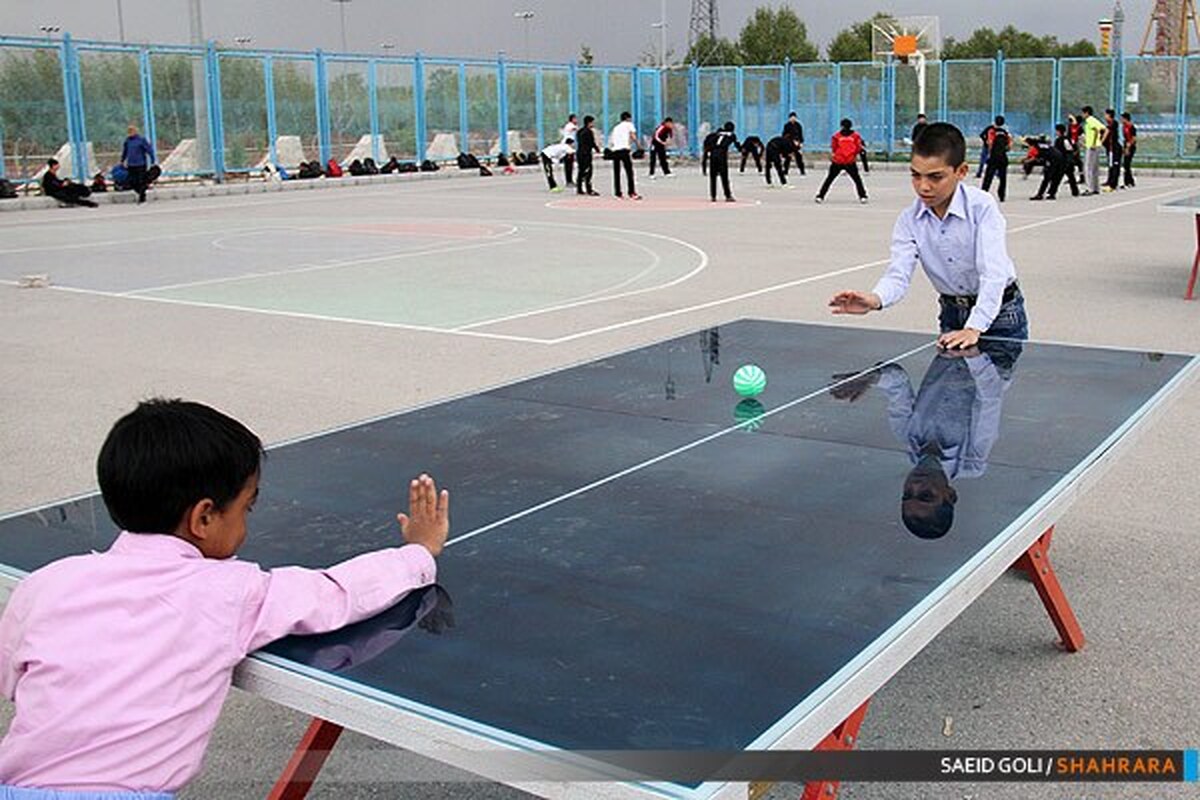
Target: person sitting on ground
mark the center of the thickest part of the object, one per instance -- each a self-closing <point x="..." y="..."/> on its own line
<point x="64" y="191"/>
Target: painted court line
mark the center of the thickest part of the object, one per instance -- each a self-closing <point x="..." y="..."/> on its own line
<point x="674" y="452"/>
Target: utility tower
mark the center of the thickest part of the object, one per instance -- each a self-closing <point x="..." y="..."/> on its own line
<point x="704" y="21"/>
<point x="1169" y="29"/>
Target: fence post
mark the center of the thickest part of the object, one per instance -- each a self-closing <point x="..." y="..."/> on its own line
<point x="72" y="96"/>
<point x="943" y="94"/>
<point x="148" y="126"/>
<point x="694" y="108"/>
<point x="324" y="128"/>
<point x="539" y="109"/>
<point x="573" y="88"/>
<point x="889" y="108"/>
<point x="216" y="125"/>
<point x="373" y="108"/>
<point x="272" y="121"/>
<point x="1056" y="92"/>
<point x="786" y="101"/>
<point x="836" y="96"/>
<point x="463" y="130"/>
<point x="739" y="108"/>
<point x="502" y="102"/>
<point x="419" y="105"/>
<point x="998" y="84"/>
<point x="635" y="96"/>
<point x="660" y="91"/>
<point x="604" y="100"/>
<point x="1181" y="109"/>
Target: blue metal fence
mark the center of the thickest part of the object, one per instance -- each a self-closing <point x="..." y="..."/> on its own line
<point x="212" y="110"/>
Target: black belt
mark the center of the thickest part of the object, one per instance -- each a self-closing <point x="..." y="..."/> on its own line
<point x="1011" y="292"/>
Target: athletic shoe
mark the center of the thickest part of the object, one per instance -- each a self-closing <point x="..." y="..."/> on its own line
<point x="862" y="201"/>
<point x="787" y="186"/>
<point x="593" y="194"/>
<point x="818" y="200"/>
<point x="1039" y="197"/>
<point x="730" y="200"/>
<point x="634" y="196"/>
<point x="1107" y="189"/>
<point x="557" y="190"/>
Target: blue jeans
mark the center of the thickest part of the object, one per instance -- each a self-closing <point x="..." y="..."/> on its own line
<point x="1010" y="321"/>
<point x="26" y="793"/>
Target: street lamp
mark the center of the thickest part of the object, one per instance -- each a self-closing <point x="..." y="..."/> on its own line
<point x="120" y="22"/>
<point x="526" y="17"/>
<point x="385" y="46"/>
<point x="49" y="30"/>
<point x="342" y="11"/>
<point x="243" y="40"/>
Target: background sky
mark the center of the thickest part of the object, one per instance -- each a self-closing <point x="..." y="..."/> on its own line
<point x="618" y="31"/>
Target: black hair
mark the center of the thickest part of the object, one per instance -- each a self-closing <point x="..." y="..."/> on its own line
<point x="999" y="119"/>
<point x="920" y="116"/>
<point x="588" y="120"/>
<point x="667" y="119"/>
<point x="571" y="116"/>
<point x="568" y="140"/>
<point x="1110" y="112"/>
<point x="846" y="123"/>
<point x="791" y="113"/>
<point x="1125" y="115"/>
<point x="1087" y="110"/>
<point x="626" y="115"/>
<point x="728" y="126"/>
<point x="1060" y="128"/>
<point x="931" y="526"/>
<point x="941" y="140"/>
<point x="165" y="456"/>
<point x="51" y="162"/>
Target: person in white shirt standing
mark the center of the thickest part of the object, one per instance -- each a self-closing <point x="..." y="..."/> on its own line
<point x="552" y="153"/>
<point x="621" y="142"/>
<point x="569" y="132"/>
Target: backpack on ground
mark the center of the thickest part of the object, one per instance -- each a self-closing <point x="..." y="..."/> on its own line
<point x="7" y="190"/>
<point x="369" y="166"/>
<point x="333" y="169"/>
<point x="429" y="166"/>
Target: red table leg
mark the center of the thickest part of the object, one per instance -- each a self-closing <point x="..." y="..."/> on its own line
<point x="843" y="737"/>
<point x="306" y="763"/>
<point x="1036" y="563"/>
<point x="1195" y="264"/>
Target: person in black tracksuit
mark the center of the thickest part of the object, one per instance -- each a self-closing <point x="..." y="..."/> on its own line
<point x="793" y="130"/>
<point x="1054" y="168"/>
<point x="779" y="151"/>
<point x="718" y="166"/>
<point x="585" y="147"/>
<point x="658" y="145"/>
<point x="997" y="159"/>
<point x="751" y="146"/>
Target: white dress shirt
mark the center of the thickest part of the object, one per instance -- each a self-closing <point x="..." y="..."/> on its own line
<point x="962" y="254"/>
<point x="622" y="136"/>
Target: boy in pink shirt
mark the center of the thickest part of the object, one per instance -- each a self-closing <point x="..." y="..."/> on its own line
<point x="119" y="662"/>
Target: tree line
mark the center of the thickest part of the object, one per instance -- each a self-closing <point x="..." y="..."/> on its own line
<point x="772" y="35"/>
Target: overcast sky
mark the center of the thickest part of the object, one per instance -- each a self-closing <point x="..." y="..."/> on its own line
<point x="617" y="31"/>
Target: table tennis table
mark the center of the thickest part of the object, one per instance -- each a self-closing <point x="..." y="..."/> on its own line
<point x="643" y="560"/>
<point x="1187" y="205"/>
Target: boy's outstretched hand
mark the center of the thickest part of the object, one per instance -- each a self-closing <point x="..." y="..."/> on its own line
<point x="427" y="522"/>
<point x="959" y="340"/>
<point x="851" y="302"/>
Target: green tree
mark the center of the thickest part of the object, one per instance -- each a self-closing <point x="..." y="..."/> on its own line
<point x="710" y="52"/>
<point x="854" y="43"/>
<point x="985" y="42"/>
<point x="585" y="55"/>
<point x="772" y="35"/>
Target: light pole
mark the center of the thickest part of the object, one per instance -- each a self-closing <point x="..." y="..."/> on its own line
<point x="120" y="22"/>
<point x="243" y="40"/>
<point x="342" y="11"/>
<point x="662" y="35"/>
<point x="526" y="17"/>
<point x="387" y="46"/>
<point x="49" y="30"/>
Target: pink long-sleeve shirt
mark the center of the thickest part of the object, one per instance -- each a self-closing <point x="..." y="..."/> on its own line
<point x="119" y="662"/>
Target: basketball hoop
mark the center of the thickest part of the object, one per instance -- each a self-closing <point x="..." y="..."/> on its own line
<point x="909" y="41"/>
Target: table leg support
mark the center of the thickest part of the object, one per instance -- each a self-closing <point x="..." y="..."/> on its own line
<point x="1195" y="264"/>
<point x="843" y="737"/>
<point x="307" y="760"/>
<point x="1036" y="563"/>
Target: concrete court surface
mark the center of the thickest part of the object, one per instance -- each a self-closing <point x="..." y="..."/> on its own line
<point x="145" y="303"/>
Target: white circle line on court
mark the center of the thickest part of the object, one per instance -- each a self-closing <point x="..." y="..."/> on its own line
<point x="588" y="299"/>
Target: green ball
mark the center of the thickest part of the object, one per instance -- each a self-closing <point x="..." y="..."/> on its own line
<point x="749" y="380"/>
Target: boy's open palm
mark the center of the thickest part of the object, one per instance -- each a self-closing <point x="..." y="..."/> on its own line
<point x="428" y="519"/>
